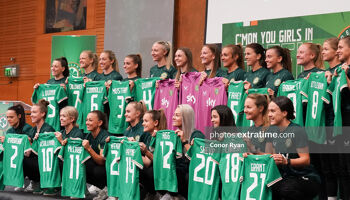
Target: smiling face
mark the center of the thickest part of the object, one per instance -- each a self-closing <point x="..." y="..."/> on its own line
<point x="36" y="115"/>
<point x="13" y="118"/>
<point x="272" y="58"/>
<point x="84" y="60"/>
<point x="180" y="58"/>
<point x="251" y="110"/>
<point x="206" y="56"/>
<point x="56" y="68"/>
<point x="92" y="122"/>
<point x="158" y="52"/>
<point x="65" y="119"/>
<point x="215" y="118"/>
<point x="226" y="57"/>
<point x="177" y="118"/>
<point x="275" y="114"/>
<point x="328" y="53"/>
<point x="304" y="55"/>
<point x="131" y="113"/>
<point x="149" y="125"/>
<point x="104" y="61"/>
<point x="343" y="51"/>
<point x="129" y="65"/>
<point x="251" y="57"/>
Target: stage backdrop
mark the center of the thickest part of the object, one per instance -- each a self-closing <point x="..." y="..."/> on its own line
<point x="4" y="125"/>
<point x="70" y="47"/>
<point x="132" y="26"/>
<point x="288" y="32"/>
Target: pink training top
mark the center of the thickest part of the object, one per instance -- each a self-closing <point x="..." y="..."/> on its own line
<point x="189" y="89"/>
<point x="211" y="93"/>
<point x="166" y="97"/>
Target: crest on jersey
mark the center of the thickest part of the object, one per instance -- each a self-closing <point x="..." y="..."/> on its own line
<point x="137" y="137"/>
<point x="232" y="80"/>
<point x="171" y="92"/>
<point x="256" y="80"/>
<point x="74" y="69"/>
<point x="164" y="75"/>
<point x="216" y="91"/>
<point x="277" y="82"/>
<point x="196" y="88"/>
<point x="288" y="142"/>
<point x="261" y="139"/>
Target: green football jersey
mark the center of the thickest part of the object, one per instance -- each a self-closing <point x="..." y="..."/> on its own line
<point x="145" y="90"/>
<point x="94" y="76"/>
<point x="162" y="72"/>
<point x="230" y="171"/>
<point x="75" y="91"/>
<point x="237" y="75"/>
<point x="55" y="94"/>
<point x="15" y="146"/>
<point x="258" y="91"/>
<point x="111" y="153"/>
<point x="235" y="100"/>
<point x="337" y="85"/>
<point x="117" y="94"/>
<point x="95" y="96"/>
<point x="291" y="89"/>
<point x="54" y="81"/>
<point x="259" y="174"/>
<point x="47" y="147"/>
<point x="130" y="159"/>
<point x="114" y="75"/>
<point x="203" y="171"/>
<point x="304" y="74"/>
<point x="277" y="78"/>
<point x="167" y="147"/>
<point x="314" y="92"/>
<point x="258" y="78"/>
<point x="74" y="174"/>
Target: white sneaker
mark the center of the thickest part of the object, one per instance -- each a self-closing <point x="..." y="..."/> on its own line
<point x="93" y="190"/>
<point x="167" y="196"/>
<point x="19" y="189"/>
<point x="102" y="194"/>
<point x="30" y="187"/>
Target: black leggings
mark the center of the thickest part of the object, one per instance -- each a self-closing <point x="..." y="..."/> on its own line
<point x="31" y="167"/>
<point x="295" y="188"/>
<point x="96" y="174"/>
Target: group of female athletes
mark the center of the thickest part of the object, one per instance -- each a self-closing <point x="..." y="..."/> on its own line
<point x="303" y="178"/>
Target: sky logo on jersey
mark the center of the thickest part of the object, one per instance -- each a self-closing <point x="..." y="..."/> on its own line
<point x="191" y="99"/>
<point x="210" y="102"/>
<point x="165" y="102"/>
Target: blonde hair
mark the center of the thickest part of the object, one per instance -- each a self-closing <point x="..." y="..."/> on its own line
<point x="188" y="119"/>
<point x="111" y="56"/>
<point x="71" y="112"/>
<point x="94" y="58"/>
<point x="316" y="49"/>
<point x="169" y="55"/>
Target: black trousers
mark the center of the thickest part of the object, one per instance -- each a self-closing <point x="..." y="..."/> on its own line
<point x="295" y="188"/>
<point x="96" y="174"/>
<point x="31" y="167"/>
